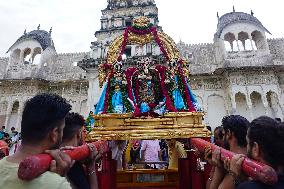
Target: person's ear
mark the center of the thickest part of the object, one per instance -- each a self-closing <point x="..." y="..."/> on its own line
<point x="54" y="134"/>
<point x="230" y="134"/>
<point x="78" y="135"/>
<point x="256" y="153"/>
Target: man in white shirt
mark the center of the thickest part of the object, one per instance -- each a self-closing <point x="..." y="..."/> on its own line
<point x="151" y="152"/>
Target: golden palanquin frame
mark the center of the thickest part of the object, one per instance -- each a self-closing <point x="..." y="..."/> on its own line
<point x="125" y="126"/>
<point x="171" y="125"/>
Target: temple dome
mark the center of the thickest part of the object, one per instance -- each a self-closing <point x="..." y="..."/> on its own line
<point x="41" y="36"/>
<point x="237" y="17"/>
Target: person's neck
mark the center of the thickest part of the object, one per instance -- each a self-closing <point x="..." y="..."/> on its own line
<point x="237" y="149"/>
<point x="26" y="150"/>
<point x="71" y="142"/>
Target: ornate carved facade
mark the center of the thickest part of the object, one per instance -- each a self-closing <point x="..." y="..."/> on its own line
<point x="239" y="72"/>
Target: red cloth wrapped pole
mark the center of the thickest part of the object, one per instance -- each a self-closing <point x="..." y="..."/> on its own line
<point x="34" y="166"/>
<point x="256" y="170"/>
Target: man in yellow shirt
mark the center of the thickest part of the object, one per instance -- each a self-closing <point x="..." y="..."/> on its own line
<point x="176" y="151"/>
<point x="43" y="121"/>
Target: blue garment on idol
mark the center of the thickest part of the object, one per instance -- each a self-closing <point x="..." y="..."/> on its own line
<point x="101" y="104"/>
<point x="117" y="102"/>
<point x="144" y="108"/>
<point x="178" y="100"/>
<point x="193" y="99"/>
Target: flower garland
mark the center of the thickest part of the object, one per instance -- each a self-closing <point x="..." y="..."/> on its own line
<point x="106" y="103"/>
<point x="152" y="30"/>
<point x="124" y="43"/>
<point x="186" y="92"/>
<point x="169" y="104"/>
<point x="126" y="103"/>
<point x="149" y="25"/>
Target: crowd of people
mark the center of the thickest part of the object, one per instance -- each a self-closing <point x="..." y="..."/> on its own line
<point x="261" y="140"/>
<point x="48" y="127"/>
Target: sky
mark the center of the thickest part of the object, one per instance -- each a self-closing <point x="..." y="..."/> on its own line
<point x="74" y="22"/>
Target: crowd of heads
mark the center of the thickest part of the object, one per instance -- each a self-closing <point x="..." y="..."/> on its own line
<point x="263" y="137"/>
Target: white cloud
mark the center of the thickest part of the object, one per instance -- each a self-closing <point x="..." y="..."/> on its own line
<point x="75" y="22"/>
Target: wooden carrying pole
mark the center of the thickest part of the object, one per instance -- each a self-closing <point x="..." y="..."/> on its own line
<point x="34" y="166"/>
<point x="256" y="170"/>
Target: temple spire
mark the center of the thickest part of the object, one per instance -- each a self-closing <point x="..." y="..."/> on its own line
<point x="251" y="12"/>
<point x="38" y="27"/>
<point x="234" y="8"/>
<point x="50" y="31"/>
<point x="218" y="16"/>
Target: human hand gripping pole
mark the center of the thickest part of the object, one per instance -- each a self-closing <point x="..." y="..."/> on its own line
<point x="35" y="165"/>
<point x="256" y="170"/>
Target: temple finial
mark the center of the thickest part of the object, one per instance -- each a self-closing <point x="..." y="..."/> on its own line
<point x="234" y="8"/>
<point x="38" y="28"/>
<point x="218" y="16"/>
<point x="50" y="31"/>
<point x="251" y="12"/>
<point x="25" y="32"/>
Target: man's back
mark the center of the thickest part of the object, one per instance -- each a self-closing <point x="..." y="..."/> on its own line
<point x="9" y="179"/>
<point x="152" y="148"/>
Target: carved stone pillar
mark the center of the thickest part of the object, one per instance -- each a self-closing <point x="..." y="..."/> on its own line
<point x="21" y="56"/>
<point x="91" y="89"/>
<point x="8" y="114"/>
<point x="249" y="103"/>
<point x="251" y="42"/>
<point x="234" y="104"/>
<point x="265" y="103"/>
<point x="237" y="39"/>
<point x="19" y="118"/>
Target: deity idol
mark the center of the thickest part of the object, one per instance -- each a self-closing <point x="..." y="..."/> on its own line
<point x="117" y="97"/>
<point x="173" y="77"/>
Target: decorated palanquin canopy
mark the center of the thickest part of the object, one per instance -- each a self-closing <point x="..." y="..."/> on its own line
<point x="149" y="101"/>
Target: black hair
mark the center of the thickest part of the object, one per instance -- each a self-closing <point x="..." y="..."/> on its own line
<point x="41" y="114"/>
<point x="209" y="128"/>
<point x="73" y="122"/>
<point x="269" y="135"/>
<point x="3" y="127"/>
<point x="278" y="119"/>
<point x="238" y="125"/>
<point x="219" y="131"/>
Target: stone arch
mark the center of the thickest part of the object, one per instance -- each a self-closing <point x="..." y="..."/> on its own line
<point x="36" y="56"/>
<point x="274" y="107"/>
<point x="241" y="105"/>
<point x="16" y="56"/>
<point x="27" y="56"/>
<point x="13" y="117"/>
<point x="242" y="37"/>
<point x="84" y="108"/>
<point x="258" y="108"/>
<point x="259" y="40"/>
<point x="230" y="38"/>
<point x="216" y="110"/>
<point x="3" y="112"/>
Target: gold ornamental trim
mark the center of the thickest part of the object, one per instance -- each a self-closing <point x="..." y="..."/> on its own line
<point x="125" y="127"/>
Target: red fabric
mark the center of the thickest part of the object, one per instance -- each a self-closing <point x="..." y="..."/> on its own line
<point x="256" y="170"/>
<point x="186" y="92"/>
<point x="196" y="175"/>
<point x="169" y="104"/>
<point x="35" y="165"/>
<point x="184" y="173"/>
